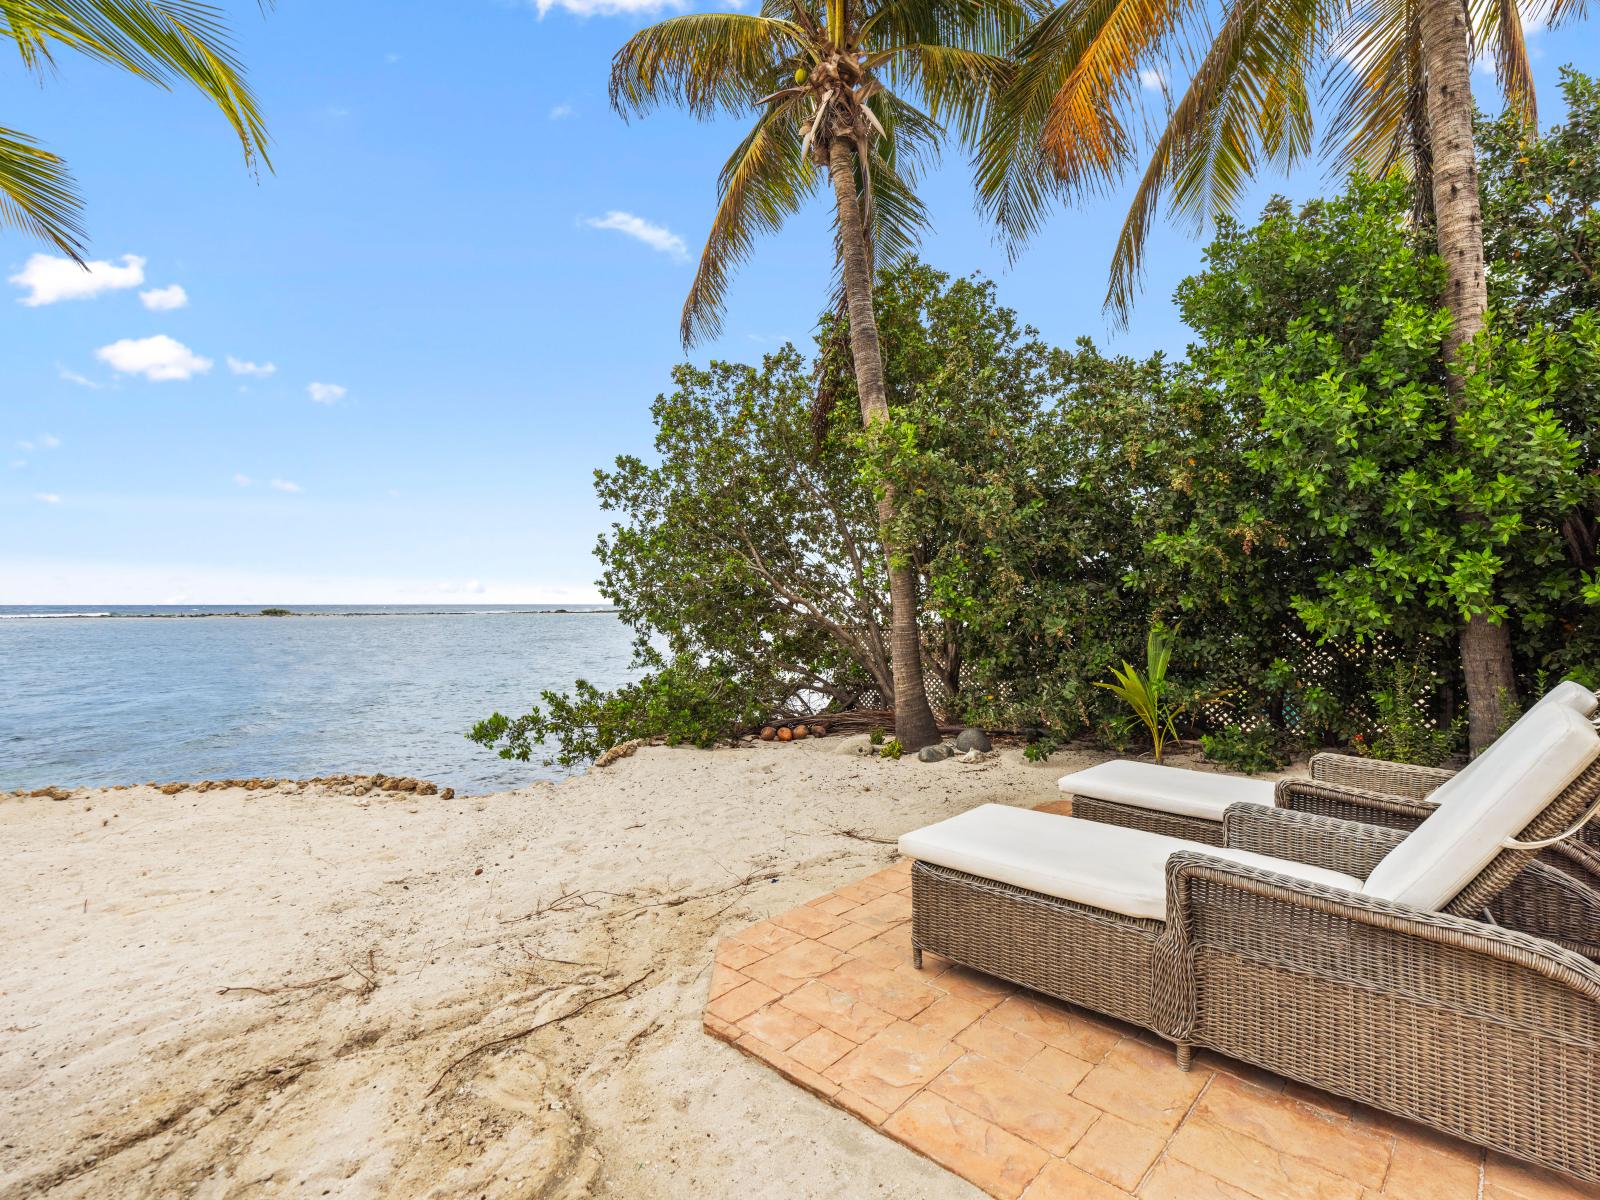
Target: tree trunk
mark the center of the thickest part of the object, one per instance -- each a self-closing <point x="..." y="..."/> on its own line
<point x="1447" y="59"/>
<point x="914" y="725"/>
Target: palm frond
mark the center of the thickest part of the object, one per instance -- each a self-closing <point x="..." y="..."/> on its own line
<point x="1497" y="27"/>
<point x="37" y="194"/>
<point x="166" y="42"/>
<point x="1248" y="104"/>
<point x="1380" y="113"/>
<point x="1101" y="44"/>
<point x="707" y="62"/>
<point x="764" y="182"/>
<point x="955" y="82"/>
<point x="984" y="26"/>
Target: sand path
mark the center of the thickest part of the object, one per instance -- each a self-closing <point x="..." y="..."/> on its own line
<point x="370" y="947"/>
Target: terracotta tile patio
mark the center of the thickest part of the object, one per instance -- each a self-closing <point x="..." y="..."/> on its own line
<point x="1028" y="1098"/>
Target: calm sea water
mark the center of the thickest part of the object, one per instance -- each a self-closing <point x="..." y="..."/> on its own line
<point x="130" y="697"/>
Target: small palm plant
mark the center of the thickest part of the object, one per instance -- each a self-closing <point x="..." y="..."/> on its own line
<point x="1146" y="694"/>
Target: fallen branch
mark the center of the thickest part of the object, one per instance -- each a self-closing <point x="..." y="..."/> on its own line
<point x="522" y="1033"/>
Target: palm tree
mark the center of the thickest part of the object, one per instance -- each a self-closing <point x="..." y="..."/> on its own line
<point x="828" y="82"/>
<point x="1400" y="75"/>
<point x="164" y="41"/>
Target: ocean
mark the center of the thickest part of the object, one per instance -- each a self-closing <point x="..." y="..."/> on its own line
<point x="103" y="694"/>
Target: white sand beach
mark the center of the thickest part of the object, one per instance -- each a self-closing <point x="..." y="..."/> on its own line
<point x="299" y="992"/>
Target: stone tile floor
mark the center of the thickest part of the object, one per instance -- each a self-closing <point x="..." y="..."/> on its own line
<point x="1025" y="1097"/>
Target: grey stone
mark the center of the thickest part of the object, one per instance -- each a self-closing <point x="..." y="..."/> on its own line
<point x="933" y="754"/>
<point x="973" y="739"/>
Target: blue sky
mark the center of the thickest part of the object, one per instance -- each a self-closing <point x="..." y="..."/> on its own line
<point x="465" y="276"/>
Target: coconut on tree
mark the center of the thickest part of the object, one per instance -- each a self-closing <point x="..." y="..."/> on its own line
<point x="853" y="92"/>
<point x="168" y="42"/>
<point x="1399" y="75"/>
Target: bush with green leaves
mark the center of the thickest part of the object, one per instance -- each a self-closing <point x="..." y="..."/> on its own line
<point x="1249" y="750"/>
<point x="1407" y="731"/>
<point x="681" y="703"/>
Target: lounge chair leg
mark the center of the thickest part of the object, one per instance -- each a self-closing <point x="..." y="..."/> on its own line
<point x="1185" y="1056"/>
<point x="916" y="957"/>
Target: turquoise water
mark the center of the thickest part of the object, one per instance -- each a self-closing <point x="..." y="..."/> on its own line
<point x="87" y="700"/>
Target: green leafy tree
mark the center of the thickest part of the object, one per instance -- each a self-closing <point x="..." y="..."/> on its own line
<point x="1323" y="324"/>
<point x="167" y="42"/>
<point x="1398" y="75"/>
<point x="831" y="85"/>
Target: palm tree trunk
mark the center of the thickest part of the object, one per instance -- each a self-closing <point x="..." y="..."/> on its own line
<point x="1447" y="60"/>
<point x="914" y="725"/>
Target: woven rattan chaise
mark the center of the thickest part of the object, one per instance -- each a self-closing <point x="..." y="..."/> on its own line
<point x="1562" y="907"/>
<point x="1339" y="954"/>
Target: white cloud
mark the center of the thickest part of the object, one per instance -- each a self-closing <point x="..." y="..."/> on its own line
<point x="326" y="393"/>
<point x="391" y="58"/>
<point x="47" y="498"/>
<point x="241" y="366"/>
<point x="29" y="446"/>
<point x="18" y="463"/>
<point x="242" y="480"/>
<point x="165" y="299"/>
<point x="284" y="485"/>
<point x="562" y="111"/>
<point x="73" y="377"/>
<point x="158" y="358"/>
<point x="471" y="587"/>
<point x="49" y="441"/>
<point x="1152" y="80"/>
<point x="49" y="278"/>
<point x="657" y="237"/>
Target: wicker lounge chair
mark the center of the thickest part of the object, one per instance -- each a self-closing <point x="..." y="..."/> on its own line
<point x="1336" y="953"/>
<point x="1190" y="804"/>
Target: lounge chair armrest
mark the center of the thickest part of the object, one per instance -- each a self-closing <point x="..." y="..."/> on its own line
<point x="1353" y="804"/>
<point x="1553" y="904"/>
<point x="1221" y="912"/>
<point x="1375" y="775"/>
<point x="1353" y="847"/>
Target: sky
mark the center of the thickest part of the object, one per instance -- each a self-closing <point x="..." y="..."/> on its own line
<point x="385" y="371"/>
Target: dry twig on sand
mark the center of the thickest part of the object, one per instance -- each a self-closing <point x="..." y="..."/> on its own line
<point x="369" y="983"/>
<point x="857" y="835"/>
<point x="531" y="1029"/>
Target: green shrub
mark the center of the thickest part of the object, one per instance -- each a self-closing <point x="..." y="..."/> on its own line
<point x="1251" y="750"/>
<point x="1041" y="748"/>
<point x="891" y="749"/>
<point x="683" y="702"/>
<point x="1405" y="730"/>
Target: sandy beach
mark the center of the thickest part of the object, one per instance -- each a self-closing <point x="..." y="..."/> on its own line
<point x="299" y="992"/>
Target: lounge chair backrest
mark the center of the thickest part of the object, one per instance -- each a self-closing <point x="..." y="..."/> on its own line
<point x="1510" y="785"/>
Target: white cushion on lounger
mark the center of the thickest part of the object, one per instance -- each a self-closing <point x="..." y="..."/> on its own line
<point x="1572" y="694"/>
<point x="1104" y="866"/>
<point x="1504" y="789"/>
<point x="1203" y="794"/>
